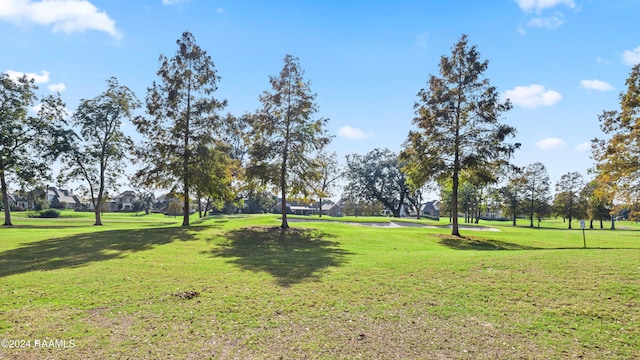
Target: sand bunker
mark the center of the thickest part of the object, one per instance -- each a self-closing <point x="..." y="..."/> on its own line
<point x="397" y="224"/>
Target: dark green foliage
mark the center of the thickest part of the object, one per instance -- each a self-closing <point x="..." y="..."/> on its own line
<point x="378" y="176"/>
<point x="27" y="142"/>
<point x="49" y="213"/>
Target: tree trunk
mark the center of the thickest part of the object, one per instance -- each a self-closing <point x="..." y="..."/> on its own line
<point x="206" y="206"/>
<point x="185" y="160"/>
<point x="320" y="208"/>
<point x="98" y="207"/>
<point x="590" y="223"/>
<point x="98" y="212"/>
<point x="5" y="200"/>
<point x="601" y="225"/>
<point x="570" y="212"/>
<point x="454" y="205"/>
<point x="531" y="212"/>
<point x="283" y="172"/>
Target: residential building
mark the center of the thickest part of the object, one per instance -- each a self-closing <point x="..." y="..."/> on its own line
<point x="59" y="198"/>
<point x="124" y="201"/>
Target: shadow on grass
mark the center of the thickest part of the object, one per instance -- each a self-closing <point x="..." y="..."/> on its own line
<point x="80" y="249"/>
<point x="290" y="256"/>
<point x="481" y="245"/>
<point x="465" y="243"/>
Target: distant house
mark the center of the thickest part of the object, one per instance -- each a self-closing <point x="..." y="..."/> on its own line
<point x="295" y="208"/>
<point x="23" y="203"/>
<point x="124" y="201"/>
<point x="492" y="214"/>
<point x="332" y="209"/>
<point x="59" y="198"/>
<point x="431" y="209"/>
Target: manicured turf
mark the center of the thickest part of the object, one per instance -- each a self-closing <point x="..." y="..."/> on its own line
<point x="236" y="287"/>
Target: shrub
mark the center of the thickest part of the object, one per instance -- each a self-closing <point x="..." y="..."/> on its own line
<point x="50" y="213"/>
<point x="58" y="205"/>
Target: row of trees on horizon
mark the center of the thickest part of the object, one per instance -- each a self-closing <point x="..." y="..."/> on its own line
<point x="459" y="144"/>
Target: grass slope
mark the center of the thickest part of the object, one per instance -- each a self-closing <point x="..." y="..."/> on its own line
<point x="236" y="287"/>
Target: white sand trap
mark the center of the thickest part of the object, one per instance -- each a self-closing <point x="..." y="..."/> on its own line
<point x="397" y="224"/>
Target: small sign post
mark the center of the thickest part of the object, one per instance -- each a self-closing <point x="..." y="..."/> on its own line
<point x="584" y="240"/>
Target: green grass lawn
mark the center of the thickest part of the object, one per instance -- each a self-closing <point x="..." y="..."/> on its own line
<point x="236" y="287"/>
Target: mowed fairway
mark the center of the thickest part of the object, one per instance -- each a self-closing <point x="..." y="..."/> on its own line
<point x="141" y="287"/>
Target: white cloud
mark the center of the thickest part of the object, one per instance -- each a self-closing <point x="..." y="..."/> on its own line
<point x="59" y="87"/>
<point x="551" y="22"/>
<point x="67" y="16"/>
<point x="532" y="96"/>
<point x="582" y="147"/>
<point x="631" y="57"/>
<point x="601" y="60"/>
<point x="174" y="2"/>
<point x="422" y="40"/>
<point x="352" y="133"/>
<point x="220" y="10"/>
<point x="596" y="85"/>
<point x="43" y="78"/>
<point x="550" y="144"/>
<point x="539" y="5"/>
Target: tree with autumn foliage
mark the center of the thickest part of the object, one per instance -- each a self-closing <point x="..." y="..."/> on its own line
<point x="183" y="117"/>
<point x="618" y="156"/>
<point x="287" y="135"/>
<point x="458" y="120"/>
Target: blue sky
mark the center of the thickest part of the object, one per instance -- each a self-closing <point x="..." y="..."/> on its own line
<point x="561" y="62"/>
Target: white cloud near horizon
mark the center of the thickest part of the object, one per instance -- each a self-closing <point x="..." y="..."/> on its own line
<point x="41" y="78"/>
<point x="582" y="147"/>
<point x="59" y="87"/>
<point x="352" y="133"/>
<point x="539" y="5"/>
<point x="550" y="144"/>
<point x="532" y="96"/>
<point x="598" y="85"/>
<point x="631" y="57"/>
<point x="67" y="16"/>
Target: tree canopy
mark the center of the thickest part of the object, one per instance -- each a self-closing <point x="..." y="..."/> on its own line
<point x="28" y="142"/>
<point x="618" y="157"/>
<point x="377" y="175"/>
<point x="97" y="152"/>
<point x="183" y="119"/>
<point x="287" y="136"/>
<point x="457" y="117"/>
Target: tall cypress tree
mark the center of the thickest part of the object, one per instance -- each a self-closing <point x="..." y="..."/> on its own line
<point x="458" y="124"/>
<point x="183" y="116"/>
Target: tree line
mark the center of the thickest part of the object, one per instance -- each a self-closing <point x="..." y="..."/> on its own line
<point x="459" y="144"/>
